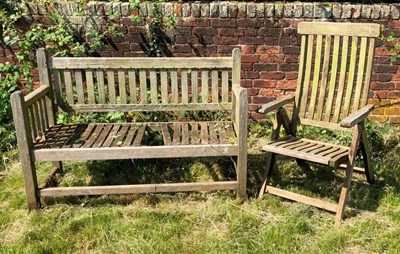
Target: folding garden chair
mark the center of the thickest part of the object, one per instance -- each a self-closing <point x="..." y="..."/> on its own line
<point x="332" y="92"/>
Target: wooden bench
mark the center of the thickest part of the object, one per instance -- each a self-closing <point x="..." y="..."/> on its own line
<point x="131" y="85"/>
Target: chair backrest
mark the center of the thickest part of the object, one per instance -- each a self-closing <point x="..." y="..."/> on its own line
<point x="100" y="84"/>
<point x="335" y="68"/>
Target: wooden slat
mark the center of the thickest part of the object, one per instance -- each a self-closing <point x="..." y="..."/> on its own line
<point x="111" y="86"/>
<point x="139" y="135"/>
<point x="166" y="134"/>
<point x="324" y="80"/>
<point x="350" y="82"/>
<point x="143" y="86"/>
<point x="322" y="124"/>
<point x="76" y="133"/>
<point x="214" y="85"/>
<point x="332" y="82"/>
<point x="122" y="86"/>
<point x="307" y="75"/>
<point x="38" y="118"/>
<point x="45" y="112"/>
<point x="213" y="133"/>
<point x="174" y="86"/>
<point x="317" y="69"/>
<point x="112" y="136"/>
<point x="185" y="133"/>
<point x="194" y="78"/>
<point x="86" y="134"/>
<point x="225" y="86"/>
<point x="101" y="86"/>
<point x="342" y="79"/>
<point x="79" y="86"/>
<point x="132" y="86"/>
<point x="138" y="62"/>
<point x="68" y="86"/>
<point x="303" y="199"/>
<point x="344" y="29"/>
<point x="140" y="152"/>
<point x="57" y="87"/>
<point x="131" y="134"/>
<point x="102" y="136"/>
<point x="94" y="135"/>
<point x="120" y="136"/>
<point x="184" y="86"/>
<point x="204" y="133"/>
<point x="90" y="86"/>
<point x="150" y="107"/>
<point x="300" y="78"/>
<point x="177" y="134"/>
<point x="164" y="86"/>
<point x="368" y="72"/>
<point x="139" y="188"/>
<point x="33" y="122"/>
<point x="153" y="87"/>
<point x="360" y="74"/>
<point x="37" y="94"/>
<point x="204" y="86"/>
<point x="194" y="137"/>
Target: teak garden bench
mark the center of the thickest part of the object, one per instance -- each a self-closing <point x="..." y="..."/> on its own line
<point x="131" y="85"/>
<point x="332" y="92"/>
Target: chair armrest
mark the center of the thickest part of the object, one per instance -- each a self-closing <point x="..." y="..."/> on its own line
<point x="356" y="117"/>
<point x="273" y="105"/>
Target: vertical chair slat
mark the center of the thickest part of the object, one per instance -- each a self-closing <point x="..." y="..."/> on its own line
<point x="307" y="75"/>
<point x="101" y="86"/>
<point x="132" y="86"/>
<point x="370" y="60"/>
<point x="153" y="87"/>
<point x="184" y="86"/>
<point x="32" y="120"/>
<point x="68" y="86"/>
<point x="79" y="86"/>
<point x="225" y="85"/>
<point x="143" y="86"/>
<point x="352" y="69"/>
<point x="315" y="77"/>
<point x="195" y="85"/>
<point x="342" y="78"/>
<point x="111" y="86"/>
<point x="90" y="86"/>
<point x="174" y="86"/>
<point x="300" y="77"/>
<point x="332" y="82"/>
<point x="57" y="87"/>
<point x="214" y="85"/>
<point x="164" y="86"/>
<point x="122" y="86"/>
<point x="204" y="86"/>
<point x="360" y="73"/>
<point x="324" y="80"/>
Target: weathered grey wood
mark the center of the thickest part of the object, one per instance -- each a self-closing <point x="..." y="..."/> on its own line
<point x="131" y="134"/>
<point x="225" y="86"/>
<point x="132" y="86"/>
<point x="350" y="81"/>
<point x="139" y="188"/>
<point x="33" y="123"/>
<point x="36" y="95"/>
<point x="371" y="52"/>
<point x="166" y="134"/>
<point x="24" y="139"/>
<point x="214" y="85"/>
<point x="184" y="87"/>
<point x="139" y="152"/>
<point x="323" y="124"/>
<point x="120" y="136"/>
<point x="204" y="133"/>
<point x="274" y="105"/>
<point x="332" y="83"/>
<point x="174" y="86"/>
<point x="122" y="86"/>
<point x="58" y="87"/>
<point x="90" y="86"/>
<point x="357" y="116"/>
<point x="68" y="86"/>
<point x="143" y="86"/>
<point x="79" y="86"/>
<point x="317" y="67"/>
<point x="194" y="78"/>
<point x="86" y="134"/>
<point x="324" y="79"/>
<point x="153" y="87"/>
<point x="101" y="86"/>
<point x="303" y="199"/>
<point x="93" y="137"/>
<point x="177" y="134"/>
<point x="204" y="86"/>
<point x="111" y="86"/>
<point x="236" y="56"/>
<point x="213" y="133"/>
<point x="194" y="139"/>
<point x="139" y="136"/>
<point x="164" y="86"/>
<point x="102" y="136"/>
<point x="343" y="29"/>
<point x="307" y="75"/>
<point x="111" y="136"/>
<point x="185" y="133"/>
<point x="360" y="74"/>
<point x="138" y="63"/>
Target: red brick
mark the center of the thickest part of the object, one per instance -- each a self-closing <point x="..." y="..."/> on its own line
<point x="202" y="22"/>
<point x="266" y="92"/>
<point x="246" y="83"/>
<point x="394" y="119"/>
<point x="392" y="111"/>
<point x="250" y="75"/>
<point x="286" y="84"/>
<point x="223" y="22"/>
<point x="178" y="9"/>
<point x="252" y="22"/>
<point x="248" y="49"/>
<point x="252" y="91"/>
<point x="394" y="24"/>
<point x="225" y="40"/>
<point x="383" y="77"/>
<point x="381" y="119"/>
<point x="260" y="100"/>
<point x="394" y="95"/>
<point x="188" y="22"/>
<point x="272" y="58"/>
<point x="249" y="58"/>
<point x="208" y="31"/>
<point x="288" y="67"/>
<point x="265" y="67"/>
<point x="226" y="49"/>
<point x="396" y="77"/>
<point x="382" y="51"/>
<point x="380" y="94"/>
<point x="264" y="83"/>
<point x="230" y="31"/>
<point x="290" y="75"/>
<point x="381" y="86"/>
<point x="291" y="50"/>
<point x="272" y="75"/>
<point x="247" y="66"/>
<point x="250" y="40"/>
<point x="386" y="68"/>
<point x="253" y="32"/>
<point x="268" y="49"/>
<point x="292" y="59"/>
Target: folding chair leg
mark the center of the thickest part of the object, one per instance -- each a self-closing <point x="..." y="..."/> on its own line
<point x="267" y="175"/>
<point x="366" y="152"/>
<point x="349" y="172"/>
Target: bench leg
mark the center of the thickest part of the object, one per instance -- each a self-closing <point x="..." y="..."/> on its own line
<point x="241" y="172"/>
<point x="58" y="164"/>
<point x="31" y="185"/>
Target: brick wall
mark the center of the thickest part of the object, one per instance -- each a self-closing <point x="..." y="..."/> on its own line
<point x="266" y="33"/>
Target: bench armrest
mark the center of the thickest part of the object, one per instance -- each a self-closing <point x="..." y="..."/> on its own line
<point x="239" y="112"/>
<point x="273" y="105"/>
<point x="357" y="117"/>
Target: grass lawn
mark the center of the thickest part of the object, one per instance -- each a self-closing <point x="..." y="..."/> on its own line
<point x="206" y="222"/>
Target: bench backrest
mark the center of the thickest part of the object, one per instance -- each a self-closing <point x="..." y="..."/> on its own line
<point x="335" y="69"/>
<point x="100" y="84"/>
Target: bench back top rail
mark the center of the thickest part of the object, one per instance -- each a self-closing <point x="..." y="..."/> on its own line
<point x="85" y="84"/>
<point x="335" y="69"/>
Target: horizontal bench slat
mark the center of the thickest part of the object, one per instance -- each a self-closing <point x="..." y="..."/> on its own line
<point x="139" y="188"/>
<point x="145" y="107"/>
<point x="116" y="153"/>
<point x="140" y="63"/>
<point x="36" y="95"/>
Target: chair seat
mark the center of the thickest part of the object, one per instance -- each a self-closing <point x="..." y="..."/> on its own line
<point x="309" y="150"/>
